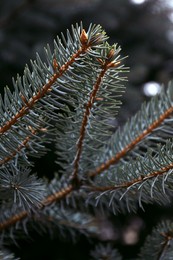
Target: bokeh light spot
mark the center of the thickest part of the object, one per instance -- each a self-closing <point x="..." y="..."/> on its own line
<point x="151" y="88"/>
<point x="138" y="2"/>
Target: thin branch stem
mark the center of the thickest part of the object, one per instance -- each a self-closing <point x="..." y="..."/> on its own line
<point x="86" y="118"/>
<point x="58" y="195"/>
<point x="133" y="182"/>
<point x="132" y="144"/>
<point x="19" y="148"/>
<point x="13" y="220"/>
<point x="107" y="64"/>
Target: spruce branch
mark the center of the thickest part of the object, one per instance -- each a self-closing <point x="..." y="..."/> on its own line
<point x="88" y="128"/>
<point x="13" y="218"/>
<point x="40" y="93"/>
<point x="149" y="123"/>
<point x="149" y="180"/>
<point x="26" y="112"/>
<point x="105" y="65"/>
<point x="46" y="88"/>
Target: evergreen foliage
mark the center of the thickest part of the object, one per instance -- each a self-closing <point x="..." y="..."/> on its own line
<point x="70" y="100"/>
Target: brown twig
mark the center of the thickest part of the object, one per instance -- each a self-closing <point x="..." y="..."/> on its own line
<point x="19" y="148"/>
<point x="105" y="65"/>
<point x="58" y="195"/>
<point x="133" y="182"/>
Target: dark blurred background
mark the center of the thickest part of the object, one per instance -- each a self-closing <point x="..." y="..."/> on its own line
<point x="143" y="28"/>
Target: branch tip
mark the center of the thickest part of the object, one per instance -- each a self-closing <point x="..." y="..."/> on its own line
<point x="84" y="37"/>
<point x="113" y="64"/>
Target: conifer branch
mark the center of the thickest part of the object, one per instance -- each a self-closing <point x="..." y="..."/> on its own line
<point x="142" y="178"/>
<point x="47" y="201"/>
<point x="149" y="179"/>
<point x="132" y="144"/>
<point x="47" y="87"/>
<point x="105" y="65"/>
<point x="94" y="38"/>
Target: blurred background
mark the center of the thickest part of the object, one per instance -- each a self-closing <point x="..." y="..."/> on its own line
<point x="144" y="30"/>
